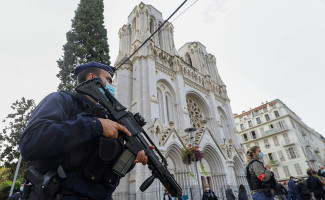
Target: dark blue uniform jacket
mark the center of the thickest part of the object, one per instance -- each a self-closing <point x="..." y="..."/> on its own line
<point x="57" y="127"/>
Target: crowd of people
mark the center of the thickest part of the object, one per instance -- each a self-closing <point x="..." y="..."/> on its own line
<point x="265" y="187"/>
<point x="303" y="189"/>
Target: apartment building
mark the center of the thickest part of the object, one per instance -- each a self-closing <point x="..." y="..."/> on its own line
<point x="288" y="144"/>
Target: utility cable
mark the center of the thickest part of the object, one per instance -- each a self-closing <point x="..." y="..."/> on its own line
<point x="151" y="35"/>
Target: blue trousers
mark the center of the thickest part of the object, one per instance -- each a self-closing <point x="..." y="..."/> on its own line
<point x="261" y="196"/>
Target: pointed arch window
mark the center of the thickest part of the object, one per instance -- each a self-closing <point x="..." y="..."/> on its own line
<point x="166" y="104"/>
<point x="169" y="107"/>
<point x="161" y="105"/>
<point x="134" y="29"/>
<point x="151" y="26"/>
<point x="160" y="37"/>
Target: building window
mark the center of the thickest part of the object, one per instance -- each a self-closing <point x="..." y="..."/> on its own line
<point x="281" y="156"/>
<point x="245" y="137"/>
<point x="267" y="117"/>
<point x="286" y="171"/>
<point x="276" y="113"/>
<point x="291" y="153"/>
<point x="250" y="124"/>
<point x="256" y="144"/>
<point x="298" y="169"/>
<point x="266" y="142"/>
<point x="255" y="113"/>
<point x="258" y="120"/>
<point x="270" y="156"/>
<point x="276" y="141"/>
<point x="195" y="111"/>
<point x="253" y="134"/>
<point x="265" y="109"/>
<point x="281" y="124"/>
<point x="151" y="26"/>
<point x="271" y="126"/>
<point x="248" y="146"/>
<point x="242" y="127"/>
<point x="169" y="107"/>
<point x="161" y="106"/>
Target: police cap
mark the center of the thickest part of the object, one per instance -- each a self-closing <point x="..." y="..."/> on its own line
<point x="82" y="67"/>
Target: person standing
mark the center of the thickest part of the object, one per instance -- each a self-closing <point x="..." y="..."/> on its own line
<point x="229" y="194"/>
<point x="167" y="195"/>
<point x="293" y="190"/>
<point x="259" y="177"/>
<point x="303" y="190"/>
<point x="315" y="185"/>
<point x="280" y="192"/>
<point x="209" y="194"/>
<point x="69" y="132"/>
<point x="242" y="194"/>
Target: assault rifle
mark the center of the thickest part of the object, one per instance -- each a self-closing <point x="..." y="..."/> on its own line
<point x="135" y="143"/>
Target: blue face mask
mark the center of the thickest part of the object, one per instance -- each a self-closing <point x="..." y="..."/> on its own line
<point x="323" y="170"/>
<point x="21" y="189"/>
<point x="260" y="155"/>
<point x="208" y="189"/>
<point x="108" y="87"/>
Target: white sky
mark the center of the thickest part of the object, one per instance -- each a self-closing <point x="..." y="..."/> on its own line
<point x="265" y="49"/>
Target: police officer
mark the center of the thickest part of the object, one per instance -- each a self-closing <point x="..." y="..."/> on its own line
<point x="67" y="130"/>
<point x="259" y="177"/>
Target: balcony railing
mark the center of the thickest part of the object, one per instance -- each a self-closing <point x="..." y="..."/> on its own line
<point x="271" y="131"/>
<point x="287" y="142"/>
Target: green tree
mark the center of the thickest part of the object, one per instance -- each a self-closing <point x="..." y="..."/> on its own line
<point x="86" y="41"/>
<point x="10" y="135"/>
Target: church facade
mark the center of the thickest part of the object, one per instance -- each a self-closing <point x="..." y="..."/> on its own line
<point x="174" y="90"/>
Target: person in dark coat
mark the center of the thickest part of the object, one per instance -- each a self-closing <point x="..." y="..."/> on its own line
<point x="280" y="192"/>
<point x="293" y="189"/>
<point x="209" y="194"/>
<point x="229" y="194"/>
<point x="63" y="131"/>
<point x="315" y="185"/>
<point x="242" y="194"/>
<point x="303" y="190"/>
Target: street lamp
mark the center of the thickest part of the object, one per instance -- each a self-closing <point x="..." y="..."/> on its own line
<point x="190" y="131"/>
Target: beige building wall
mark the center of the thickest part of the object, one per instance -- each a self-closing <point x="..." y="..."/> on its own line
<point x="289" y="145"/>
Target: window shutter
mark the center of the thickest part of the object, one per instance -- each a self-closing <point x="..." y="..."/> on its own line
<point x="296" y="151"/>
<point x="281" y="156"/>
<point x="284" y="124"/>
<point x="288" y="154"/>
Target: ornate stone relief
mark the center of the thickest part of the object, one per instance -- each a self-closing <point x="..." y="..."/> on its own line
<point x="195" y="112"/>
<point x="229" y="147"/>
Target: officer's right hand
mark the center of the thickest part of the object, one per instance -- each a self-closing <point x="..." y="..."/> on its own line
<point x="111" y="128"/>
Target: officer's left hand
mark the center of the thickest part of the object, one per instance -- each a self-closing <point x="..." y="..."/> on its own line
<point x="141" y="157"/>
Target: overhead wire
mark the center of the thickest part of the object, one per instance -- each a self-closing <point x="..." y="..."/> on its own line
<point x="156" y="32"/>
